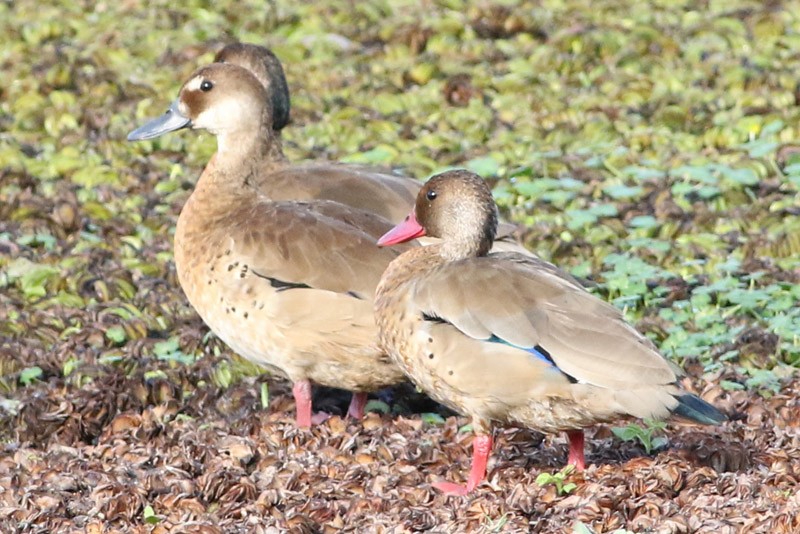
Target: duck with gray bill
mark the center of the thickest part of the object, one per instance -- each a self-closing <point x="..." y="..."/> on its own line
<point x="287" y="284"/>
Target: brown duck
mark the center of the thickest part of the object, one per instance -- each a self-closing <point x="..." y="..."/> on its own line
<point x="286" y="284"/>
<point x="507" y="339"/>
<point x="267" y="69"/>
<point x="366" y="188"/>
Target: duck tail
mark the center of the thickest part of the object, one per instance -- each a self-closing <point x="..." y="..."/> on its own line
<point x="696" y="409"/>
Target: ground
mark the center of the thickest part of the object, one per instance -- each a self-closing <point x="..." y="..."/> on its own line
<point x="649" y="148"/>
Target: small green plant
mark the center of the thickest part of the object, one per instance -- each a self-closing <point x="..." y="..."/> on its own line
<point x="117" y="335"/>
<point x="558" y="479"/>
<point x="377" y="406"/>
<point x="150" y="516"/>
<point x="432" y="418"/>
<point x="170" y="350"/>
<point x="264" y="396"/>
<point x="29" y="375"/>
<point x="644" y="435"/>
<point x="70" y="366"/>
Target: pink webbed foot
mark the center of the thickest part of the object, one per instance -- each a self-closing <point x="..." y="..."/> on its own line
<point x="357" y="405"/>
<point x="576" y="447"/>
<point x="481" y="447"/>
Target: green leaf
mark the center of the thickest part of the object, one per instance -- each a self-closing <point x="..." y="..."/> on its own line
<point x="708" y="192"/>
<point x="382" y="154"/>
<point x="604" y="210"/>
<point x="111" y="358"/>
<point x="626" y="433"/>
<point x="170" y="350"/>
<point x="577" y="219"/>
<point x="388" y="104"/>
<point x="486" y="166"/>
<point x="44" y="239"/>
<point x="70" y="365"/>
<point x="150" y="516"/>
<point x="742" y="176"/>
<point x="793" y="169"/>
<point x="31" y="277"/>
<point x="164" y="348"/>
<point x="155" y="374"/>
<point x="116" y="334"/>
<point x="622" y="191"/>
<point x="432" y="418"/>
<point x="659" y="442"/>
<point x="375" y="405"/>
<point x="643" y="221"/>
<point x="642" y="174"/>
<point x="760" y="148"/>
<point x="29" y="375"/>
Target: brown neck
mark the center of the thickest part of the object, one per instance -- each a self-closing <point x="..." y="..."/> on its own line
<point x="466" y="247"/>
<point x="241" y="156"/>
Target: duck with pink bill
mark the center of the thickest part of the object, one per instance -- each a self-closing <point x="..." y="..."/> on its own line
<point x="508" y="340"/>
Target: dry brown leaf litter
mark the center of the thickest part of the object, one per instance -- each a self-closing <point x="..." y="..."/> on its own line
<point x="94" y="457"/>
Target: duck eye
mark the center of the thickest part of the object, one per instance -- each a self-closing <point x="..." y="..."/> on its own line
<point x="206" y="86"/>
<point x="431" y="194"/>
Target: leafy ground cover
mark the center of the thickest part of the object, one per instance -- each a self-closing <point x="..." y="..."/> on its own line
<point x="650" y="147"/>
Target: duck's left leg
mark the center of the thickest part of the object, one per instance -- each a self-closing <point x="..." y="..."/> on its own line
<point x="576" y="447"/>
<point x="302" y="399"/>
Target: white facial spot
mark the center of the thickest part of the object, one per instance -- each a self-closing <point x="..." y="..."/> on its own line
<point x="222" y="115"/>
<point x="194" y="83"/>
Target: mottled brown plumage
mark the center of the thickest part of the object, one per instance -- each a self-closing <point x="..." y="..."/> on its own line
<point x="509" y="339"/>
<point x="286" y="284"/>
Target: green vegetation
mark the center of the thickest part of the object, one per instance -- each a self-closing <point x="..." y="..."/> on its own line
<point x="558" y="480"/>
<point x="648" y="146"/>
<point x="645" y="435"/>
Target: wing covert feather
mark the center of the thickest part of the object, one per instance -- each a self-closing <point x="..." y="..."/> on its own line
<point x="527" y="302"/>
<point x="323" y="245"/>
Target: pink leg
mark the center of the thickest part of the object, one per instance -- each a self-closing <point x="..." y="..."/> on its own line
<point x="481" y="447"/>
<point x="302" y="400"/>
<point x="576" y="457"/>
<point x="357" y="404"/>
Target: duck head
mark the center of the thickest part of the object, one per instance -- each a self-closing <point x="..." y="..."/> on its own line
<point x="267" y="69"/>
<point x="456" y="206"/>
<point x="226" y="100"/>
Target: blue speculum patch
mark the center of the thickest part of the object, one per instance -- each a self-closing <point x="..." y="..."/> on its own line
<point x="537" y="351"/>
